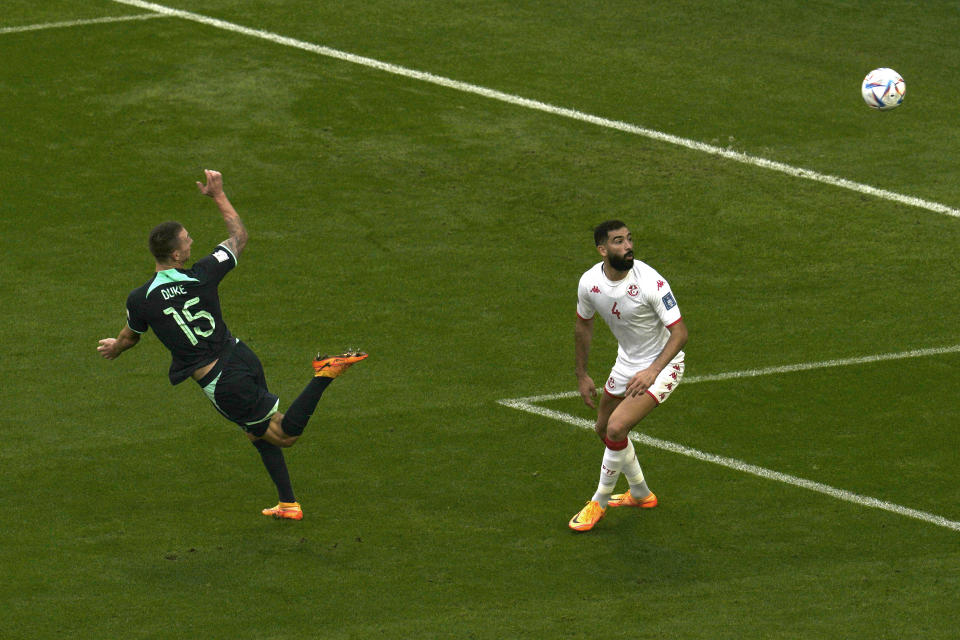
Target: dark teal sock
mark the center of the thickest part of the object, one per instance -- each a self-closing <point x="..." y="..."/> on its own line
<point x="276" y="465"/>
<point x="296" y="417"/>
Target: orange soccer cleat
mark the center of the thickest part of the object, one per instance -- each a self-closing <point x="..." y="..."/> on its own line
<point x="333" y="366"/>
<point x="627" y="500"/>
<point x="590" y="515"/>
<point x="285" y="511"/>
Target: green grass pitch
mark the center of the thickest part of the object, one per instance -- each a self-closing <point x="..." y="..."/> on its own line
<point x="444" y="233"/>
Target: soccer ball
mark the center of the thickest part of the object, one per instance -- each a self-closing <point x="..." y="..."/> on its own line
<point x="883" y="89"/>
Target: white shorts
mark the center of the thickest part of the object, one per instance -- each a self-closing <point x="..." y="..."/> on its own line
<point x="661" y="389"/>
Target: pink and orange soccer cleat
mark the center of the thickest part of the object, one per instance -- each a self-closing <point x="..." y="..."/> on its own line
<point x="333" y="366"/>
<point x="285" y="511"/>
<point x="627" y="500"/>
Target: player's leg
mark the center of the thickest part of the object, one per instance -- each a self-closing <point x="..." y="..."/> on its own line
<point x="272" y="457"/>
<point x="275" y="434"/>
<point x="627" y="415"/>
<point x="276" y="466"/>
<point x="608" y="404"/>
<point x="238" y="389"/>
<point x="285" y="428"/>
<point x="618" y="454"/>
<point x="596" y="507"/>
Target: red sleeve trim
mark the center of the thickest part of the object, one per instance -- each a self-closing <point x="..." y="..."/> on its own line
<point x="675" y="322"/>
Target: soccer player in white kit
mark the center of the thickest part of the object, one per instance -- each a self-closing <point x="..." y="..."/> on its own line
<point x="637" y="304"/>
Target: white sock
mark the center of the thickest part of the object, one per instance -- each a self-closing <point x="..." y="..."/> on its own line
<point x="609" y="472"/>
<point x="634" y="474"/>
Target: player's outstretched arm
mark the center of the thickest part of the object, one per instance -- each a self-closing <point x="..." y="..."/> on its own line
<point x="214" y="189"/>
<point x="111" y="348"/>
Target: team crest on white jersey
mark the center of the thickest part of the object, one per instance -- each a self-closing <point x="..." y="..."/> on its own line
<point x="633" y="290"/>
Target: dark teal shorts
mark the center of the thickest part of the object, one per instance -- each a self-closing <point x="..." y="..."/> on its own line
<point x="237" y="387"/>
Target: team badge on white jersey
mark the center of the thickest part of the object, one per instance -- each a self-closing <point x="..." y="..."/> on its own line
<point x="638" y="309"/>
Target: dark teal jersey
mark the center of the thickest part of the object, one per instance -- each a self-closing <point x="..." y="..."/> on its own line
<point x="182" y="306"/>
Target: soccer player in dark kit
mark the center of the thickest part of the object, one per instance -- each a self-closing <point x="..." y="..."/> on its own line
<point x="182" y="306"/>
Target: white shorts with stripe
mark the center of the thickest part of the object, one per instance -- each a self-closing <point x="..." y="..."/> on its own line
<point x="661" y="389"/>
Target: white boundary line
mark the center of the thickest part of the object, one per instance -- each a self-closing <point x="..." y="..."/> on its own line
<point x="79" y="23"/>
<point x="528" y="405"/>
<point x="457" y="85"/>
<point x="789" y="368"/>
<point x="738" y="465"/>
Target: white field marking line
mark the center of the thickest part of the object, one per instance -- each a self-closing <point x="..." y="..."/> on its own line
<point x="738" y="465"/>
<point x="528" y="404"/>
<point x="789" y="368"/>
<point x="493" y="94"/>
<point x="79" y="23"/>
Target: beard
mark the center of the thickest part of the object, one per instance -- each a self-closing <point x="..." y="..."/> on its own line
<point x="622" y="263"/>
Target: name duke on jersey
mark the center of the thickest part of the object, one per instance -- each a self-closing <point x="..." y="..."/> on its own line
<point x="173" y="292"/>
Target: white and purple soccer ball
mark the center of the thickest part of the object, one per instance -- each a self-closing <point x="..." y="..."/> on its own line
<point x="883" y="89"/>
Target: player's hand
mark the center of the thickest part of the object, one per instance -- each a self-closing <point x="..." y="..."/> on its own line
<point x="214" y="186"/>
<point x="640" y="382"/>
<point x="108" y="348"/>
<point x="588" y="391"/>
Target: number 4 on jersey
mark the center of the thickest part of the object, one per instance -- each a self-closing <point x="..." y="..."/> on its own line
<point x="616" y="311"/>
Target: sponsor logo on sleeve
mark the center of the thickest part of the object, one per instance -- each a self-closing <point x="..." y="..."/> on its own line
<point x="221" y="255"/>
<point x="668" y="301"/>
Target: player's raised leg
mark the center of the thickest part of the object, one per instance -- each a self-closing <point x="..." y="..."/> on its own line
<point x="285" y="428"/>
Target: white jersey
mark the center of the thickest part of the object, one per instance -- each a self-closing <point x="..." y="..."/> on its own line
<point x="638" y="310"/>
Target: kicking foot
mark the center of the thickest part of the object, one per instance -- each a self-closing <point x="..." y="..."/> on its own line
<point x="333" y="366"/>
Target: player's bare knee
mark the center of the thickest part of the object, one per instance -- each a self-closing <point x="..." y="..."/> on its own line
<point x="284" y="439"/>
<point x="617" y="431"/>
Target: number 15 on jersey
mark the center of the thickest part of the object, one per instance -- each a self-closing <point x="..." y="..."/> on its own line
<point x="192" y="316"/>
